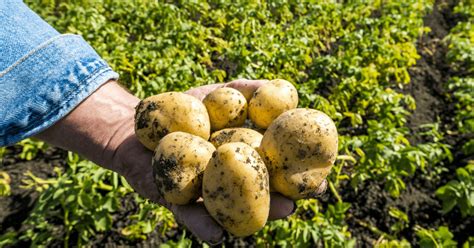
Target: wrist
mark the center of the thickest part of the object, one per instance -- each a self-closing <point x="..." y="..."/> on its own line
<point x="98" y="126"/>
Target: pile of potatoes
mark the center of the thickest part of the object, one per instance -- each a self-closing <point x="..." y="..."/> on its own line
<point x="202" y="149"/>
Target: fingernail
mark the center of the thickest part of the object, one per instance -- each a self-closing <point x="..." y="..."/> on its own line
<point x="294" y="209"/>
<point x="217" y="237"/>
<point x="214" y="243"/>
<point x="323" y="186"/>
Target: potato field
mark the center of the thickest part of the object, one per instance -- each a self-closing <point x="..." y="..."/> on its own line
<point x="396" y="77"/>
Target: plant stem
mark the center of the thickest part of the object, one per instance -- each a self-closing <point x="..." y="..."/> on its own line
<point x="334" y="191"/>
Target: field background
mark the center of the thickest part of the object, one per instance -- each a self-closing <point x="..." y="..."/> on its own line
<point x="396" y="76"/>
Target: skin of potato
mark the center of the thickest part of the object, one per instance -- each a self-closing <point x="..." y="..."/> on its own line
<point x="229" y="135"/>
<point x="158" y="115"/>
<point x="299" y="149"/>
<point x="236" y="189"/>
<point x="178" y="165"/>
<point x="227" y="107"/>
<point x="271" y="100"/>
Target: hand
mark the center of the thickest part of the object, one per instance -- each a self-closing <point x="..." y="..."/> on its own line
<point x="102" y="129"/>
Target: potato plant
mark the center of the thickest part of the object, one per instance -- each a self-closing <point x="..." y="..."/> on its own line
<point x="459" y="192"/>
<point x="83" y="199"/>
<point x="435" y="238"/>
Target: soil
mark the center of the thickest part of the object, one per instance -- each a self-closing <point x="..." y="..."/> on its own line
<point x="417" y="201"/>
<point x="15" y="209"/>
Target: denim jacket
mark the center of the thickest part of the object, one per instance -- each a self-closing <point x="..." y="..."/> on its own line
<point x="43" y="74"/>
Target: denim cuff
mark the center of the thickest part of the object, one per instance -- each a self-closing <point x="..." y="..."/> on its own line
<point x="46" y="84"/>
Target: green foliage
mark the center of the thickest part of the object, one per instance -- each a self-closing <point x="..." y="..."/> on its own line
<point x="386" y="154"/>
<point x="31" y="147"/>
<point x="460" y="55"/>
<point x="2" y="153"/>
<point x="81" y="202"/>
<point x="393" y="244"/>
<point x="82" y="199"/>
<point x="183" y="242"/>
<point x="309" y="226"/>
<point x="148" y="217"/>
<point x="462" y="90"/>
<point x="402" y="220"/>
<point x="468" y="147"/>
<point x="7" y="238"/>
<point x="429" y="238"/>
<point x="469" y="243"/>
<point x="461" y="39"/>
<point x="459" y="192"/>
<point x="5" y="181"/>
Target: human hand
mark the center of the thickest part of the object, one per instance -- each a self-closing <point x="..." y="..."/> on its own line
<point x="102" y="129"/>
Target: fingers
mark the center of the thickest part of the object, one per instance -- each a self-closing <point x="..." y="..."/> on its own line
<point x="133" y="161"/>
<point x="142" y="181"/>
<point x="196" y="218"/>
<point x="202" y="91"/>
<point x="246" y="87"/>
<point x="280" y="206"/>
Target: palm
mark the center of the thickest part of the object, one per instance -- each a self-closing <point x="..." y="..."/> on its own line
<point x="194" y="216"/>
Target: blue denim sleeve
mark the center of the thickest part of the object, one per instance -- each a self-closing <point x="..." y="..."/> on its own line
<point x="43" y="74"/>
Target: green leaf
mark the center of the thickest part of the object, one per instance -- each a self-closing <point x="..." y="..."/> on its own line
<point x="102" y="221"/>
<point x="85" y="200"/>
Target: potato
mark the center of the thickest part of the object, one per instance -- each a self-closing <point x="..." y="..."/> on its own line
<point x="227" y="107"/>
<point x="236" y="189"/>
<point x="271" y="100"/>
<point x="178" y="165"/>
<point x="169" y="112"/>
<point x="299" y="149"/>
<point x="228" y="135"/>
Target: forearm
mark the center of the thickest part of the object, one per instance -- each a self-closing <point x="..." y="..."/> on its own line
<point x="97" y="126"/>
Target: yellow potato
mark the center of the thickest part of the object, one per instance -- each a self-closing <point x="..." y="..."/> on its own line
<point x="271" y="100"/>
<point x="236" y="189"/>
<point x="227" y="107"/>
<point x="158" y="115"/>
<point x="229" y="135"/>
<point x="299" y="149"/>
<point x="178" y="164"/>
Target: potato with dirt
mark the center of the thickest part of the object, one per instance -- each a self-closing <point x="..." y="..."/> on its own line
<point x="236" y="189"/>
<point x="178" y="165"/>
<point x="229" y="135"/>
<point x="271" y="100"/>
<point x="227" y="107"/>
<point x="158" y="115"/>
<point x="299" y="149"/>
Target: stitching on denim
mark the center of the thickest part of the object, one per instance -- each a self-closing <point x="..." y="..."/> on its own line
<point x="35" y="50"/>
<point x="68" y="97"/>
<point x="95" y="74"/>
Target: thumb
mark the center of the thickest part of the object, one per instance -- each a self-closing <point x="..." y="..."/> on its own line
<point x="196" y="218"/>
